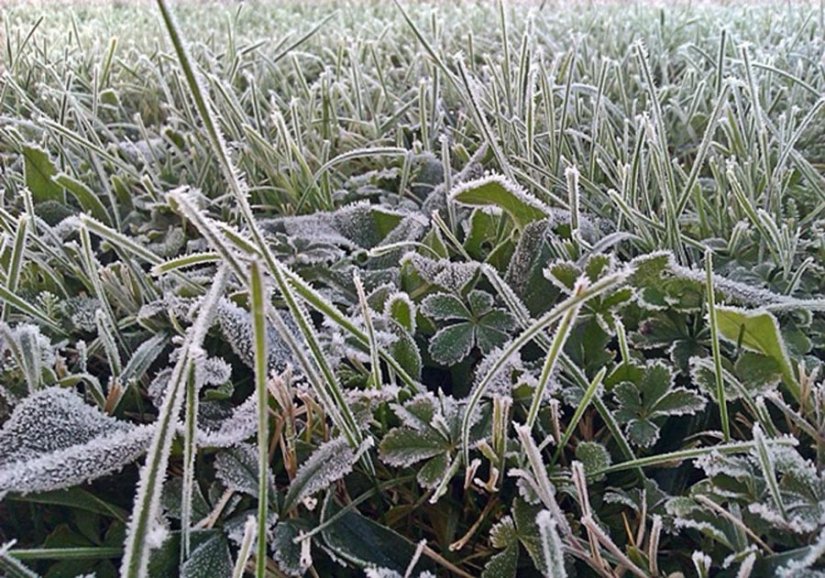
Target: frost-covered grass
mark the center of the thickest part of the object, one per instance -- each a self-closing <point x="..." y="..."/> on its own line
<point x="452" y="289"/>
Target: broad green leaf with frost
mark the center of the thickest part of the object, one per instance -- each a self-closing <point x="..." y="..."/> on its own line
<point x="230" y="429"/>
<point x="401" y="308"/>
<point x="504" y="537"/>
<point x="594" y="456"/>
<point x="758" y="331"/>
<point x="429" y="433"/>
<point x="39" y="170"/>
<point x="366" y="543"/>
<point x="483" y="241"/>
<point x="237" y="468"/>
<point x="85" y="197"/>
<point x="498" y="191"/>
<point x="453" y="276"/>
<point x="54" y="440"/>
<point x="236" y="326"/>
<point x="357" y="225"/>
<point x="285" y="551"/>
<point x="405" y="446"/>
<point x="210" y="558"/>
<point x="653" y="397"/>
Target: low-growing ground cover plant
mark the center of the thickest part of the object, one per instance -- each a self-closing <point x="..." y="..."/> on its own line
<point x="407" y="289"/>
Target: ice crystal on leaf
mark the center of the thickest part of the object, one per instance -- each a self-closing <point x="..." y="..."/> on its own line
<point x="54" y="440"/>
<point x="329" y="463"/>
<point x="227" y="430"/>
<point x="441" y="272"/>
<point x="236" y="326"/>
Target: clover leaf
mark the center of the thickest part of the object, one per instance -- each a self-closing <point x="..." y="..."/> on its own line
<point x="479" y="324"/>
<point x="430" y="433"/>
<point x="652" y="397"/>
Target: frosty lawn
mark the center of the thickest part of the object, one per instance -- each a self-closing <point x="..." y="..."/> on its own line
<point x="411" y="290"/>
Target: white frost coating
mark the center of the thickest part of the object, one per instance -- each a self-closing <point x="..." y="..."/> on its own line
<point x="236" y="326"/>
<point x="146" y="507"/>
<point x="797" y="568"/>
<point x="54" y="440"/>
<point x="702" y="562"/>
<point x="351" y="226"/>
<point x="239" y="426"/>
<point x="513" y="188"/>
<point x="442" y="272"/>
<point x="329" y="463"/>
<point x="238" y="469"/>
<point x="31" y="350"/>
<point x="81" y="312"/>
<point x="551" y="546"/>
<point x="418" y="412"/>
<point x="157" y="535"/>
<point x="389" y="573"/>
<point x="741" y="292"/>
<point x="213" y="371"/>
<point x="501" y="382"/>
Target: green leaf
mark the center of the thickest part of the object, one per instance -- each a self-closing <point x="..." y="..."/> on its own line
<point x="87" y="199"/>
<point x="444" y="306"/>
<point x="77" y="498"/>
<point x="327" y="464"/>
<point x="452" y="344"/>
<point x="643" y="432"/>
<point x="434" y="241"/>
<point x="433" y="471"/>
<point x="238" y="469"/>
<point x="284" y="549"/>
<point x="597" y="266"/>
<point x="758" y="331"/>
<point x="497" y="191"/>
<point x="502" y="565"/>
<point x="365" y="543"/>
<point x="626" y="371"/>
<point x="211" y="558"/>
<point x="757" y="372"/>
<point x="418" y="413"/>
<point x="653" y="397"/>
<point x="480" y="302"/>
<point x="493" y="330"/>
<point x="400" y="307"/>
<point x="563" y="274"/>
<point x="39" y="170"/>
<point x="524" y="515"/>
<point x="405" y="350"/>
<point x="482" y="236"/>
<point x="404" y="446"/>
<point x="594" y="456"/>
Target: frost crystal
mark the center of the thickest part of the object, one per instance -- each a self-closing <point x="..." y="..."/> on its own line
<point x="54" y="440"/>
<point x="237" y="468"/>
<point x="240" y="425"/>
<point x="359" y="225"/>
<point x="511" y="372"/>
<point x="81" y="312"/>
<point x="330" y="462"/>
<point x="236" y="326"/>
<point x="453" y="276"/>
<point x="31" y="350"/>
